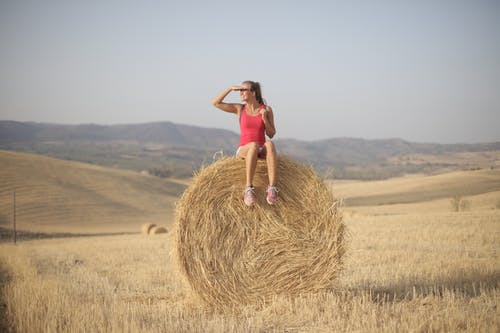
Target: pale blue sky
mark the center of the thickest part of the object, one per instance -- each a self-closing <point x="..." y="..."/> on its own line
<point x="426" y="71"/>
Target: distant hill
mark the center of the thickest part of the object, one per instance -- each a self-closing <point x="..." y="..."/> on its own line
<point x="165" y="148"/>
<point x="54" y="195"/>
<point x="158" y="132"/>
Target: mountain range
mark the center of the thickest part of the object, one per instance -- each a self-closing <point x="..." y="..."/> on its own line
<point x="177" y="150"/>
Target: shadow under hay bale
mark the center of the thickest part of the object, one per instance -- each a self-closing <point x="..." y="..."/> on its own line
<point x="158" y="230"/>
<point x="146" y="228"/>
<point x="233" y="254"/>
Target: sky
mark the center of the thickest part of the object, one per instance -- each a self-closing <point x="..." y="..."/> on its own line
<point x="423" y="71"/>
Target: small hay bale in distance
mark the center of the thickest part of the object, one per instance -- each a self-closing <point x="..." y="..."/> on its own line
<point x="232" y="254"/>
<point x="146" y="228"/>
<point x="158" y="230"/>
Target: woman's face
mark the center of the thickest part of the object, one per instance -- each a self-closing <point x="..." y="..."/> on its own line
<point x="246" y="93"/>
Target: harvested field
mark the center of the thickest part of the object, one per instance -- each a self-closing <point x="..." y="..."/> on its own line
<point x="435" y="272"/>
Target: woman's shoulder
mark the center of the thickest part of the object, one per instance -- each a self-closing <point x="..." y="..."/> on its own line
<point x="240" y="108"/>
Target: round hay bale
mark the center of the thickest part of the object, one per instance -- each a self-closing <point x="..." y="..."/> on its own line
<point x="233" y="254"/>
<point x="146" y="228"/>
<point x="158" y="230"/>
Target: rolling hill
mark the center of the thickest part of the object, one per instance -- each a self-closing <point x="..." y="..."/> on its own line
<point x="54" y="195"/>
<point x="420" y="188"/>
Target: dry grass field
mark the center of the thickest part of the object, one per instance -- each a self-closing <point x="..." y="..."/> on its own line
<point x="413" y="265"/>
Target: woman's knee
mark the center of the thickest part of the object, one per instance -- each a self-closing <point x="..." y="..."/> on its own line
<point x="270" y="147"/>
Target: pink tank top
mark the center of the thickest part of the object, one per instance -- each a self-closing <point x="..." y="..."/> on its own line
<point x="252" y="128"/>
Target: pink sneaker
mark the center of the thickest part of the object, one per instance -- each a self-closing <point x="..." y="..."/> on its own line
<point x="272" y="194"/>
<point x="249" y="196"/>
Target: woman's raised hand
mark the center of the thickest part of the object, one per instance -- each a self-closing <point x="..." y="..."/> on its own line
<point x="236" y="88"/>
<point x="264" y="112"/>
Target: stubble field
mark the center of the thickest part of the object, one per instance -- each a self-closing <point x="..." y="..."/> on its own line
<point x="411" y="266"/>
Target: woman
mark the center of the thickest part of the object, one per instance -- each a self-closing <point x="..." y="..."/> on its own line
<point x="256" y="120"/>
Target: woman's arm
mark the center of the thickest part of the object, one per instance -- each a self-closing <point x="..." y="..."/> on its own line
<point x="228" y="107"/>
<point x="268" y="118"/>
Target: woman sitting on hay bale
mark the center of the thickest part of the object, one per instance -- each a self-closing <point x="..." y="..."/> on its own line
<point x="256" y="120"/>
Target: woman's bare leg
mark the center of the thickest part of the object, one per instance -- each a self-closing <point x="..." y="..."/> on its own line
<point x="250" y="153"/>
<point x="271" y="158"/>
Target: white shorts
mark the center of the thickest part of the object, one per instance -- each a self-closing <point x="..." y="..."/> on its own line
<point x="238" y="150"/>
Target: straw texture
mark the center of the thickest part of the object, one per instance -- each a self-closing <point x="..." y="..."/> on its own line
<point x="233" y="254"/>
